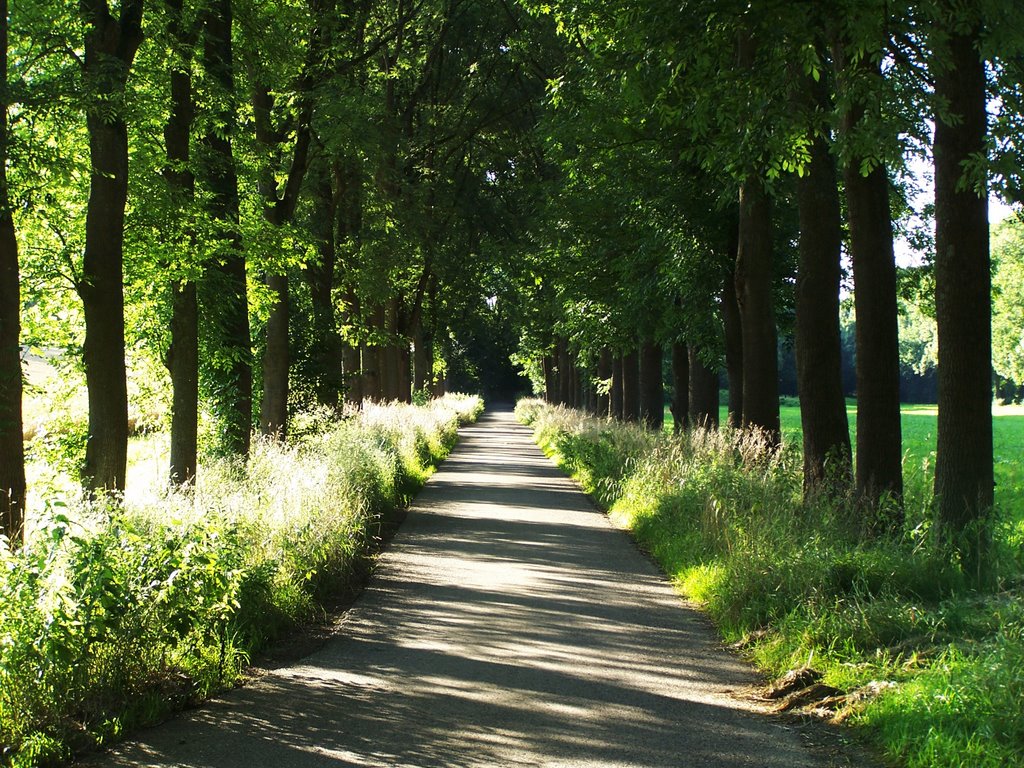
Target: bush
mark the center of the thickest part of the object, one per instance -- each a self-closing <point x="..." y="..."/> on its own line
<point x="111" y="615"/>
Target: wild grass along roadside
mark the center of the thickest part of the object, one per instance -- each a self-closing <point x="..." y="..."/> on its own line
<point x="936" y="670"/>
<point x="112" y="615"/>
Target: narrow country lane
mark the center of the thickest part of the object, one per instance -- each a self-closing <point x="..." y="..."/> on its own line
<point x="508" y="624"/>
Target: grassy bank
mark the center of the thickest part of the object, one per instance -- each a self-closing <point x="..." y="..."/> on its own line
<point x="934" y="671"/>
<point x="111" y="616"/>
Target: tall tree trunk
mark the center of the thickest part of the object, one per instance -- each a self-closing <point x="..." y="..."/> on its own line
<point x="604" y="373"/>
<point x="12" y="447"/>
<point x="631" y="385"/>
<point x="757" y="313"/>
<point x="615" y="395"/>
<point x="733" y="347"/>
<point x="550" y="379"/>
<point x="328" y="354"/>
<point x="703" y="393"/>
<point x="826" y="431"/>
<point x="102" y="279"/>
<point x="274" y="406"/>
<point x="963" y="309"/>
<point x="879" y="467"/>
<point x="371" y="378"/>
<point x="652" y="394"/>
<point x="183" y="353"/>
<point x="564" y="372"/>
<point x="680" y="388"/>
<point x="223" y="295"/>
<point x="423" y="362"/>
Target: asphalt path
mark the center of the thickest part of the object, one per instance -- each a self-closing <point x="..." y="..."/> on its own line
<point x="508" y="624"/>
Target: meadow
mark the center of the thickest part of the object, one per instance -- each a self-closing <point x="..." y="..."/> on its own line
<point x="916" y="659"/>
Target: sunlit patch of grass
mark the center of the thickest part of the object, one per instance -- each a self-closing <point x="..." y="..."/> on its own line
<point x="726" y="520"/>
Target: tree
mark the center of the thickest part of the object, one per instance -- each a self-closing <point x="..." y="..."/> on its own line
<point x="963" y="464"/>
<point x="12" y="450"/>
<point x="879" y="470"/>
<point x="223" y="292"/>
<point x="826" y="433"/>
<point x="183" y="353"/>
<point x="110" y="47"/>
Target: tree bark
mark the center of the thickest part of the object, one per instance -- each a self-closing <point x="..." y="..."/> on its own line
<point x="328" y="355"/>
<point x="102" y="278"/>
<point x="703" y="393"/>
<point x="757" y="312"/>
<point x="223" y="295"/>
<point x="963" y="309"/>
<point x="826" y="431"/>
<point x="631" y="386"/>
<point x="615" y="396"/>
<point x="183" y="353"/>
<point x="733" y="346"/>
<point x="604" y="373"/>
<point x="652" y="397"/>
<point x="550" y="379"/>
<point x="564" y="372"/>
<point x="680" y="388"/>
<point x="879" y="466"/>
<point x="12" y="446"/>
<point x="274" y="406"/>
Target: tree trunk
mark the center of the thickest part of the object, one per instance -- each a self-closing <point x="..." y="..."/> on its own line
<point x="12" y="446"/>
<point x="826" y="431"/>
<point x="183" y="353"/>
<point x="564" y="373"/>
<point x="371" y="377"/>
<point x="404" y="359"/>
<point x="329" y="351"/>
<point x="631" y="386"/>
<point x="703" y="393"/>
<point x="423" y="362"/>
<point x="879" y="469"/>
<point x="615" y="396"/>
<point x="274" y="407"/>
<point x="604" y="373"/>
<point x="733" y="347"/>
<point x="550" y="379"/>
<point x="223" y="292"/>
<point x="963" y="309"/>
<point x="757" y="313"/>
<point x="102" y="279"/>
<point x="652" y="393"/>
<point x="680" y="388"/>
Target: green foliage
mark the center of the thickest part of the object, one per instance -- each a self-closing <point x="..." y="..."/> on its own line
<point x="725" y="518"/>
<point x="111" y="615"/>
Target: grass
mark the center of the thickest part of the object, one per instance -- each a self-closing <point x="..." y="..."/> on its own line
<point x="112" y="614"/>
<point x="935" y="670"/>
<point x="918" y="423"/>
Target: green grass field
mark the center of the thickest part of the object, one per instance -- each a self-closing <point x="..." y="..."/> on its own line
<point x="919" y="428"/>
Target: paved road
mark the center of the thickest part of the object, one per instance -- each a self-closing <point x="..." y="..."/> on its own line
<point x="508" y="624"/>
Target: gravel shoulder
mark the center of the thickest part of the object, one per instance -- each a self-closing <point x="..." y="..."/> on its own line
<point x="509" y="623"/>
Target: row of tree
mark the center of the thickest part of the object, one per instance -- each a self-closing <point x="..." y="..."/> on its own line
<point x="285" y="202"/>
<point x="720" y="159"/>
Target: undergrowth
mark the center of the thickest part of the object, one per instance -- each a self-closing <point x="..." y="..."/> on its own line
<point x="940" y="667"/>
<point x="113" y="614"/>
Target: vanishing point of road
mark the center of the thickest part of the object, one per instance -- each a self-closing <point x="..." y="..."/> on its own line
<point x="508" y="624"/>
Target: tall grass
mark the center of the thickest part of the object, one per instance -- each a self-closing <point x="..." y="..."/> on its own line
<point x="112" y="614"/>
<point x="937" y="669"/>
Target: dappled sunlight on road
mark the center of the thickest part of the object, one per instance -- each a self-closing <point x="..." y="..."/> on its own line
<point x="509" y="624"/>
